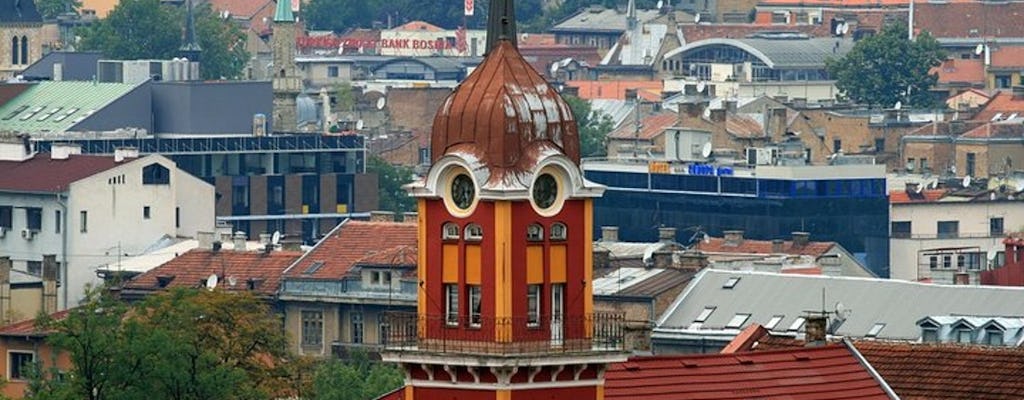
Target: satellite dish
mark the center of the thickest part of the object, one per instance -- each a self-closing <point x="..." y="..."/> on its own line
<point x="839" y="31"/>
<point x="967" y="181"/>
<point x="232" y="281"/>
<point x="660" y="4"/>
<point x="919" y="189"/>
<point x="841" y="311"/>
<point x="381" y="102"/>
<point x="980" y="48"/>
<point x="899" y="105"/>
<point x="359" y="125"/>
<point x="701" y="86"/>
<point x="706" y="150"/>
<point x="846" y="28"/>
<point x="952" y="169"/>
<point x="275" y="238"/>
<point x="696" y="18"/>
<point x="211" y="282"/>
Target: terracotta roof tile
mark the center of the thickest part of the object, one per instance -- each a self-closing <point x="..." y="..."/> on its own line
<point x="958" y="70"/>
<point x="826" y="372"/>
<point x="651" y="126"/>
<point x="1002" y="102"/>
<point x="28" y="327"/>
<point x="42" y="174"/>
<point x="193" y="268"/>
<point x="835" y="3"/>
<point x="355" y="242"/>
<point x="969" y="19"/>
<point x="1008" y="57"/>
<point x="749" y="246"/>
<point x="419" y="26"/>
<point x="926" y="196"/>
<point x="536" y="39"/>
<point x="743" y="126"/>
<point x="614" y="90"/>
<point x="947" y="371"/>
<point x="241" y="8"/>
<point x="997" y="130"/>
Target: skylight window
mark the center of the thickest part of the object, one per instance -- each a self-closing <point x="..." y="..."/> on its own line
<point x="731" y="283"/>
<point x="48" y="113"/>
<point x="737" y="321"/>
<point x="67" y="113"/>
<point x="31" y="113"/>
<point x="875" y="330"/>
<point x="313" y="268"/>
<point x="704" y="315"/>
<point x="772" y="323"/>
<point x="15" y="112"/>
<point x="797" y="325"/>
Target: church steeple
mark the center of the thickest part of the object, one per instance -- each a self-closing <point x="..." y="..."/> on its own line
<point x="631" y="19"/>
<point x="190" y="48"/>
<point x="501" y="23"/>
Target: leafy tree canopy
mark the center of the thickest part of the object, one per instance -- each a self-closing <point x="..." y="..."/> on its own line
<point x="147" y="29"/>
<point x="390" y="179"/>
<point x="888" y="68"/>
<point x="355" y="379"/>
<point x="594" y="127"/>
<point x="50" y="9"/>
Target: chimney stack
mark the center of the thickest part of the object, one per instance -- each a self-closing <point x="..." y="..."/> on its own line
<point x="691" y="113"/>
<point x="410" y="217"/>
<point x="692" y="260"/>
<point x="239" y="241"/>
<point x="778" y="246"/>
<point x="49" y="283"/>
<point x="609" y="234"/>
<point x="265" y="238"/>
<point x="801" y="239"/>
<point x="122" y="154"/>
<point x="62" y="151"/>
<point x="733" y="237"/>
<point x="666" y="234"/>
<point x="382" y="216"/>
<point x="815" y="329"/>
<point x="205" y="240"/>
<point x="730" y="106"/>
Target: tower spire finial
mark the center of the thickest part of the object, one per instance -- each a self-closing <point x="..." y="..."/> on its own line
<point x="501" y="23"/>
<point x="190" y="48"/>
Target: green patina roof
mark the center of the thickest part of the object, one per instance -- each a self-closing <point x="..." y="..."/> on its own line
<point x="58" y="106"/>
<point x="283" y="12"/>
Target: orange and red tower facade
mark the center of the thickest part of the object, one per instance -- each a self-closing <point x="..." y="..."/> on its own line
<point x="505" y="245"/>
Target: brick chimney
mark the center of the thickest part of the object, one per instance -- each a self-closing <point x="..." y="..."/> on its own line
<point x="778" y="246"/>
<point x="239" y="241"/>
<point x="602" y="257"/>
<point x="692" y="260"/>
<point x="801" y="239"/>
<point x="777" y="123"/>
<point x="5" y="290"/>
<point x="733" y="238"/>
<point x="382" y="216"/>
<point x="815" y="330"/>
<point x="691" y="113"/>
<point x="609" y="234"/>
<point x="666" y="234"/>
<point x="662" y="258"/>
<point x="49" y="283"/>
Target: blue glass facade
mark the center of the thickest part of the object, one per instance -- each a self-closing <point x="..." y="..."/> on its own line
<point x="852" y="212"/>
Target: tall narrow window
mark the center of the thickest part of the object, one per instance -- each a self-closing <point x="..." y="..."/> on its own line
<point x="14" y="50"/>
<point x="312" y="328"/>
<point x="34" y="218"/>
<point x="357" y="326"/>
<point x="6" y="216"/>
<point x="83" y="223"/>
<point x="971" y="160"/>
<point x="996" y="226"/>
<point x="451" y="305"/>
<point x="533" y="305"/>
<point x="177" y="217"/>
<point x="56" y="221"/>
<point x="24" y="49"/>
<point x="474" y="306"/>
<point x="145" y="212"/>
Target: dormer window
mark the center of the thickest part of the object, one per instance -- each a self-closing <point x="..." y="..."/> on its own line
<point x="558" y="231"/>
<point x="929" y="333"/>
<point x="963" y="335"/>
<point x="474" y="232"/>
<point x="535" y="233"/>
<point x="450" y="231"/>
<point x="994" y="336"/>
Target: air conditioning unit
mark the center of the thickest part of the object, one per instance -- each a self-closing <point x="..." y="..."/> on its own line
<point x="28" y="234"/>
<point x="3" y="231"/>
<point x="762" y="155"/>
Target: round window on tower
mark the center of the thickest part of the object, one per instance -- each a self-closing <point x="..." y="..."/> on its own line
<point x="460" y="194"/>
<point x="547" y="193"/>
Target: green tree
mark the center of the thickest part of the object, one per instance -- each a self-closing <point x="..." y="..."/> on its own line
<point x="357" y="378"/>
<point x="148" y="29"/>
<point x="594" y="126"/>
<point x="888" y="68"/>
<point x="390" y="179"/>
<point x="50" y="9"/>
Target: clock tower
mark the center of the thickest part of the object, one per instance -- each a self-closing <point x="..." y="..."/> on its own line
<point x="505" y="305"/>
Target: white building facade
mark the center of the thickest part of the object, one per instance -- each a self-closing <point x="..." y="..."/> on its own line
<point x="90" y="211"/>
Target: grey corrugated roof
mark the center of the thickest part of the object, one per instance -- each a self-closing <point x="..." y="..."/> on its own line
<point x="898" y="304"/>
<point x="596" y="19"/>
<point x="781" y="53"/>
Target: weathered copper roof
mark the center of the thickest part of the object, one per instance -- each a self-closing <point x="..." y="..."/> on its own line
<point x="505" y="115"/>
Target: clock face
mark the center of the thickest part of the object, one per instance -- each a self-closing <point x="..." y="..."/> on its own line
<point x="545" y="191"/>
<point x="463" y="191"/>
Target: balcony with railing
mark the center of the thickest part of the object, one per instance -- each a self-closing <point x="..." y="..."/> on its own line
<point x="514" y="336"/>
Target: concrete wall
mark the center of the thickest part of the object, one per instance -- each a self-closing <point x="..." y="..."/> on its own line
<point x="46" y="241"/>
<point x="212" y="108"/>
<point x="316" y="72"/>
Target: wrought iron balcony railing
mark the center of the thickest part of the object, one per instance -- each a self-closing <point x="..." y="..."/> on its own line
<point x="599" y="332"/>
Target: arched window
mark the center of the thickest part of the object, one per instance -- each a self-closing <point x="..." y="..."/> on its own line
<point x="156" y="174"/>
<point x="14" y="50"/>
<point x="450" y="231"/>
<point x="474" y="232"/>
<point x="535" y="233"/>
<point x="558" y="231"/>
<point x="24" y="49"/>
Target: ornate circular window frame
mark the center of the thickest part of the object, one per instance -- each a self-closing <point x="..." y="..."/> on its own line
<point x="447" y="182"/>
<point x="561" y="181"/>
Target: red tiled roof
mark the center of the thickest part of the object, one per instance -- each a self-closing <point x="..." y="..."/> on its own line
<point x="28" y="327"/>
<point x="352" y="242"/>
<point x="743" y="126"/>
<point x="1008" y="57"/>
<point x="42" y="174"/>
<point x="802" y="271"/>
<point x="959" y="70"/>
<point x="969" y="19"/>
<point x="536" y="39"/>
<point x="651" y="126"/>
<point x="947" y="371"/>
<point x="1001" y="130"/>
<point x="615" y="90"/>
<point x="1002" y="102"/>
<point x="419" y="26"/>
<point x="825" y="372"/>
<point x="748" y="246"/>
<point x="835" y="3"/>
<point x="193" y="268"/>
<point x="241" y="8"/>
<point x="926" y="196"/>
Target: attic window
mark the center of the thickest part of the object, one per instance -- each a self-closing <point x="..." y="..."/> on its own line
<point x="797" y="324"/>
<point x="474" y="232"/>
<point x="163" y="280"/>
<point x="534" y="233"/>
<point x="731" y="283"/>
<point x="929" y="332"/>
<point x="772" y="323"/>
<point x="67" y="113"/>
<point x="993" y="336"/>
<point x="737" y="321"/>
<point x="964" y="334"/>
<point x="31" y="113"/>
<point x="876" y="329"/>
<point x="558" y="231"/>
<point x="48" y="113"/>
<point x="704" y="315"/>
<point x="313" y="268"/>
<point x="450" y="231"/>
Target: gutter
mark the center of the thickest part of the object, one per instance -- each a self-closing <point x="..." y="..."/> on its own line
<point x="871" y="370"/>
<point x="64" y="249"/>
